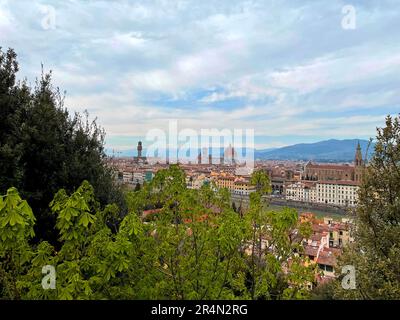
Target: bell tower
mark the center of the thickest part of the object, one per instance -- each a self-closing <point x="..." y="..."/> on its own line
<point x="358" y="164"/>
<point x="139" y="159"/>
<point x="358" y="161"/>
<point x="139" y="149"/>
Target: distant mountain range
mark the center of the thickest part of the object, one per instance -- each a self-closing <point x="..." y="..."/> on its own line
<point x="323" y="151"/>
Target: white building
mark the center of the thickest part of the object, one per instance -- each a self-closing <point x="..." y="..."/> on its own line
<point x="243" y="188"/>
<point x="138" y="177"/>
<point x="133" y="177"/>
<point x="196" y="181"/>
<point x="128" y="177"/>
<point x="342" y="193"/>
<point x="301" y="191"/>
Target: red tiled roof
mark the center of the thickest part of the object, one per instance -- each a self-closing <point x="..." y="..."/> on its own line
<point x="310" y="250"/>
<point x="328" y="256"/>
<point x="341" y="182"/>
<point x="318" y="228"/>
<point x="329" y="166"/>
<point x="317" y="236"/>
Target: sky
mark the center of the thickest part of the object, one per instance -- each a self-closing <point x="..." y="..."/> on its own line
<point x="294" y="71"/>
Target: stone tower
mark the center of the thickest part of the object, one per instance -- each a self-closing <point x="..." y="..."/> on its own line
<point x="358" y="164"/>
<point x="139" y="159"/>
<point x="139" y="149"/>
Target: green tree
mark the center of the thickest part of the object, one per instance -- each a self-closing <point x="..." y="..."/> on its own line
<point x="16" y="228"/>
<point x="376" y="251"/>
<point x="261" y="181"/>
<point x="274" y="268"/>
<point x="194" y="242"/>
<point x="137" y="187"/>
<point x="93" y="262"/>
<point x="197" y="247"/>
<point x="44" y="149"/>
<point x="13" y="98"/>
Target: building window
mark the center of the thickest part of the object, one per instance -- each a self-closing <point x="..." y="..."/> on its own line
<point x="329" y="268"/>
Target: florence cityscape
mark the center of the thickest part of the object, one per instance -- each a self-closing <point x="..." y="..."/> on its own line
<point x="222" y="153"/>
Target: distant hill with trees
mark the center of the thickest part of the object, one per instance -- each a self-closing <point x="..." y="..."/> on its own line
<point x="324" y="151"/>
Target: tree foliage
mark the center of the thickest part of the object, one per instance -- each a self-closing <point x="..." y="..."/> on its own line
<point x="261" y="182"/>
<point x="275" y="269"/>
<point x="376" y="251"/>
<point x="195" y="246"/>
<point x="43" y="148"/>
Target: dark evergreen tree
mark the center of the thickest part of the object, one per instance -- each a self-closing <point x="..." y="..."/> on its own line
<point x="137" y="186"/>
<point x="43" y="148"/>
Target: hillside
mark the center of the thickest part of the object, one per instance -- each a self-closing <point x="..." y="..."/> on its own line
<point x="325" y="151"/>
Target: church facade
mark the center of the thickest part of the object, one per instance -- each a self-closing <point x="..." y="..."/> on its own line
<point x="335" y="172"/>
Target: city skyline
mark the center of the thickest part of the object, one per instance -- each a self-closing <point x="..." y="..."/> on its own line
<point x="289" y="71"/>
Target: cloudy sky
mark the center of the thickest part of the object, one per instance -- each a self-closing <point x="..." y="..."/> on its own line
<point x="287" y="69"/>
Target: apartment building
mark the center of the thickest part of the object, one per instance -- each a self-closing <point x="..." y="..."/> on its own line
<point x="342" y="193"/>
<point x="225" y="181"/>
<point x="326" y="243"/>
<point x="243" y="188"/>
<point x="235" y="184"/>
<point x="301" y="191"/>
<point x="133" y="177"/>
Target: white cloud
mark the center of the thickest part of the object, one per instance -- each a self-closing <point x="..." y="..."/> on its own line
<point x="331" y="71"/>
<point x="293" y="69"/>
<point x="6" y="19"/>
<point x="122" y="41"/>
<point x="273" y="144"/>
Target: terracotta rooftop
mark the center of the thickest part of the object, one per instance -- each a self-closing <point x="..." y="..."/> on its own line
<point x="310" y="250"/>
<point x="329" y="166"/>
<point x="226" y="178"/>
<point x="328" y="256"/>
<point x="341" y="182"/>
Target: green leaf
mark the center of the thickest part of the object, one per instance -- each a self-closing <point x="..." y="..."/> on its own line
<point x="86" y="218"/>
<point x="15" y="218"/>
